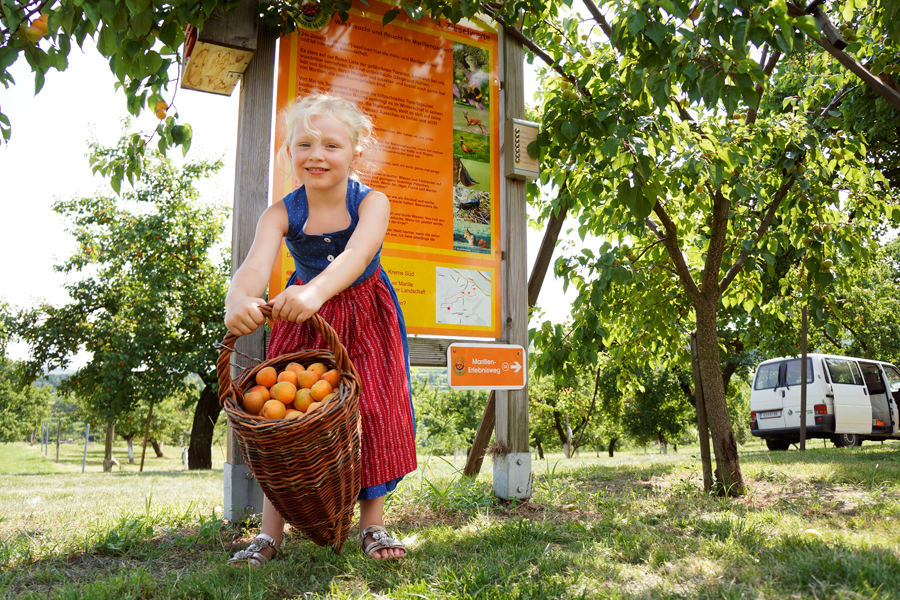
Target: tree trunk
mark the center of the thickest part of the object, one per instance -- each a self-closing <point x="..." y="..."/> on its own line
<point x="560" y="430"/>
<point x="205" y="417"/>
<point x="728" y="465"/>
<point x="612" y="446"/>
<point x="157" y="447"/>
<point x="540" y="449"/>
<point x="107" y="449"/>
<point x="130" y="441"/>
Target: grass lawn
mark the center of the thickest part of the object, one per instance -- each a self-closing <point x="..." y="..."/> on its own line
<point x="633" y="526"/>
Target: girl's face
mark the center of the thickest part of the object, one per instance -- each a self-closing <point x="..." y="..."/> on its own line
<point x="323" y="162"/>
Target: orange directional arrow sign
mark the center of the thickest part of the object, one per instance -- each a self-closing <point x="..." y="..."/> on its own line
<point x="486" y="366"/>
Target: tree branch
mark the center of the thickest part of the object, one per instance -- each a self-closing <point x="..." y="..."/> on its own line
<point x="671" y="241"/>
<point x="601" y="20"/>
<point x="591" y="409"/>
<point x="837" y="99"/>
<point x="528" y="43"/>
<point x="760" y="231"/>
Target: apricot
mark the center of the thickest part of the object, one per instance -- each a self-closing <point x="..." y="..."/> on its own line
<point x="284" y="392"/>
<point x="329" y="398"/>
<point x="306" y="379"/>
<point x="267" y="377"/>
<point x="293" y="414"/>
<point x="254" y="401"/>
<point x="295" y="367"/>
<point x="313" y="406"/>
<point x="41" y="23"/>
<point x="262" y="390"/>
<point x="160" y="114"/>
<point x="33" y="34"/>
<point x="333" y="377"/>
<point x="288" y="376"/>
<point x="161" y="105"/>
<point x="320" y="389"/>
<point x="303" y="399"/>
<point x="318" y="368"/>
<point x="273" y="409"/>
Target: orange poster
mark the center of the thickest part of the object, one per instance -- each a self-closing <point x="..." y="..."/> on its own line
<point x="432" y="91"/>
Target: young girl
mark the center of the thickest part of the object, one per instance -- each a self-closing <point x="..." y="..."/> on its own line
<point x="334" y="227"/>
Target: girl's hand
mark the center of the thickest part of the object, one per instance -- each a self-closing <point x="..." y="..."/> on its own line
<point x="297" y="303"/>
<point x="242" y="315"/>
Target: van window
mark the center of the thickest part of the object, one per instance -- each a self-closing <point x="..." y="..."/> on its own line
<point x="893" y="376"/>
<point x="843" y="371"/>
<point x="792" y="377"/>
<point x="767" y="376"/>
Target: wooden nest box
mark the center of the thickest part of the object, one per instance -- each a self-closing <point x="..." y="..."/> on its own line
<point x="216" y="57"/>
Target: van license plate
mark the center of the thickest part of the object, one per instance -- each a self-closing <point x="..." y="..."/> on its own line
<point x="770" y="414"/>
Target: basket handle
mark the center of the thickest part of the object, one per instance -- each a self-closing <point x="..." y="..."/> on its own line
<point x="223" y="365"/>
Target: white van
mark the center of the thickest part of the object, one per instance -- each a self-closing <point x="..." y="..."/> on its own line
<point x="848" y="400"/>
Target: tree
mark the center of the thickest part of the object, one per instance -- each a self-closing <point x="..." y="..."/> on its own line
<point x="656" y="143"/>
<point x="657" y="409"/>
<point x="563" y="410"/>
<point x="142" y="41"/>
<point x="447" y="419"/>
<point x="149" y="299"/>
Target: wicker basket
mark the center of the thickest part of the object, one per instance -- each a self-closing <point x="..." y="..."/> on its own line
<point x="309" y="468"/>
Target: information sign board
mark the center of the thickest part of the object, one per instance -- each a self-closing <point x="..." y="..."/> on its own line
<point x="486" y="366"/>
<point x="432" y="89"/>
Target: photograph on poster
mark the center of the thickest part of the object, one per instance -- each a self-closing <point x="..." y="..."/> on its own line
<point x="471" y="78"/>
<point x="472" y="146"/>
<point x="471" y="207"/>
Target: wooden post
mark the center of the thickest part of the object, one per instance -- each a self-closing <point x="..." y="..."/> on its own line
<point x="58" y="432"/>
<point x="512" y="465"/>
<point x="803" y="378"/>
<point x="251" y="197"/>
<point x="87" y="433"/>
<point x="702" y="427"/>
<point x="107" y="448"/>
<point x="146" y="435"/>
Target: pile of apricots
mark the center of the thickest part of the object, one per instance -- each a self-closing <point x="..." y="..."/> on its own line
<point x="295" y="391"/>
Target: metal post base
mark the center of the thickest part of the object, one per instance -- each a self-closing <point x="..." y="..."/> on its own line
<point x="243" y="496"/>
<point x="512" y="476"/>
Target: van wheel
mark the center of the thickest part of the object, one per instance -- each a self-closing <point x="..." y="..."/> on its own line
<point x="778" y="445"/>
<point x="847" y="440"/>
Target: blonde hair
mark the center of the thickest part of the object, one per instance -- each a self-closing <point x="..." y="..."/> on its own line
<point x="304" y="110"/>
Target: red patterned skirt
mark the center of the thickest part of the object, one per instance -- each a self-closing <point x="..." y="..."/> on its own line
<point x="365" y="319"/>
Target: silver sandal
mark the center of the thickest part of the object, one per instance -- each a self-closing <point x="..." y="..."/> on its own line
<point x="381" y="541"/>
<point x="251" y="555"/>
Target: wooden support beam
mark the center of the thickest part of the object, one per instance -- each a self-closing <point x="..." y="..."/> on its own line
<point x="870" y="79"/>
<point x="832" y="42"/>
<point x="251" y="197"/>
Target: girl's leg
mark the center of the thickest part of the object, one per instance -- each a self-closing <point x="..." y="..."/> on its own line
<point x="371" y="512"/>
<point x="272" y="525"/>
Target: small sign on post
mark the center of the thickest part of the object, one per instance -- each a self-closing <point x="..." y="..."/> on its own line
<point x="486" y="366"/>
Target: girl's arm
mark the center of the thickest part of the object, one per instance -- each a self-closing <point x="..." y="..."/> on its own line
<point x="242" y="314"/>
<point x="300" y="302"/>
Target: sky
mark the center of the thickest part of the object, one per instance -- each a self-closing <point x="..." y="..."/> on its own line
<point x="45" y="160"/>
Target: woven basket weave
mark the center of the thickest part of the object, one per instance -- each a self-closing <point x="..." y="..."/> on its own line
<point x="309" y="468"/>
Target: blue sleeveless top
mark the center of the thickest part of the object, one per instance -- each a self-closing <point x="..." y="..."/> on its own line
<point x="313" y="253"/>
